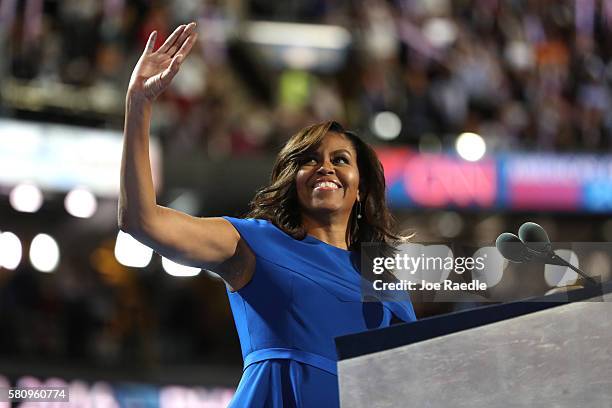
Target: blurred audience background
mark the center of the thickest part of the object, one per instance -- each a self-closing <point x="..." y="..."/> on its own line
<point x="523" y="74"/>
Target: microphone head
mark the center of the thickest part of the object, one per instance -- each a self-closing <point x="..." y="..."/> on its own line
<point x="534" y="236"/>
<point x="512" y="248"/>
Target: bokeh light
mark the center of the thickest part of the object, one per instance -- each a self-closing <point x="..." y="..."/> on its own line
<point x="26" y="198"/>
<point x="176" y="269"/>
<point x="44" y="253"/>
<point x="386" y="125"/>
<point x="10" y="250"/>
<point x="130" y="252"/>
<point x="471" y="146"/>
<point x="80" y="203"/>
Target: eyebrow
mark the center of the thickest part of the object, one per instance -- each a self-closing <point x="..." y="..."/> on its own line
<point x="343" y="150"/>
<point x="315" y="151"/>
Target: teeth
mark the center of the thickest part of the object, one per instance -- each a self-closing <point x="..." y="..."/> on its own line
<point x="326" y="184"/>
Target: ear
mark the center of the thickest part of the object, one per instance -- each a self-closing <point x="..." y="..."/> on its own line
<point x="362" y="191"/>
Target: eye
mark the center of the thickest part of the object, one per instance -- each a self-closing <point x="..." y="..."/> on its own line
<point x="308" y="160"/>
<point x="341" y="160"/>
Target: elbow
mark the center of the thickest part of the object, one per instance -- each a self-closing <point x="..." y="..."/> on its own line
<point x="137" y="225"/>
<point x="126" y="223"/>
<point x="125" y="226"/>
<point x="122" y="219"/>
<point x="135" y="230"/>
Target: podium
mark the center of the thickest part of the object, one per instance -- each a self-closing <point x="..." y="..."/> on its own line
<point x="553" y="351"/>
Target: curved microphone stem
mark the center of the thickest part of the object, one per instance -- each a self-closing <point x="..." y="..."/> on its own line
<point x="557" y="258"/>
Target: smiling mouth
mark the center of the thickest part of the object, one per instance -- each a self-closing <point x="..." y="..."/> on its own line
<point x="326" y="186"/>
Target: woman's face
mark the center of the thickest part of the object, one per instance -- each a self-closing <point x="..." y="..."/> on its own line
<point x="328" y="178"/>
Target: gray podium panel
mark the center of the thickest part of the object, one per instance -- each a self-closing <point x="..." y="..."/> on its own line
<point x="558" y="357"/>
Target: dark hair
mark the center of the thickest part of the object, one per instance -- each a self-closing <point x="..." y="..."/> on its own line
<point x="278" y="202"/>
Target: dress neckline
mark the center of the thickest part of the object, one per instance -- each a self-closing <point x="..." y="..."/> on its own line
<point x="317" y="241"/>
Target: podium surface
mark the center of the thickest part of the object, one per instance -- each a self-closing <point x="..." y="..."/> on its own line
<point x="524" y="354"/>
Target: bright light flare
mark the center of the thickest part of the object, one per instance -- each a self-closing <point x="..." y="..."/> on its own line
<point x="386" y="125"/>
<point x="81" y="203"/>
<point x="26" y="198"/>
<point x="176" y="269"/>
<point x="44" y="253"/>
<point x="130" y="252"/>
<point x="10" y="250"/>
<point x="470" y="146"/>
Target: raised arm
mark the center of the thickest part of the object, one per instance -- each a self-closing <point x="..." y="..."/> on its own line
<point x="210" y="243"/>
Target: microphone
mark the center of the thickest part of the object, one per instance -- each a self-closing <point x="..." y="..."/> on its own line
<point x="534" y="237"/>
<point x="512" y="248"/>
<point x="533" y="244"/>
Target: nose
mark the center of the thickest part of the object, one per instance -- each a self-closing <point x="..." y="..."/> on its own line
<point x="326" y="168"/>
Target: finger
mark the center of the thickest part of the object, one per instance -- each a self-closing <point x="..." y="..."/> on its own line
<point x="172" y="39"/>
<point x="150" y="42"/>
<point x="181" y="40"/>
<point x="187" y="45"/>
<point x="172" y="70"/>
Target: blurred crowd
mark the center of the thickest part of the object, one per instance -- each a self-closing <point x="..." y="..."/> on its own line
<point x="524" y="74"/>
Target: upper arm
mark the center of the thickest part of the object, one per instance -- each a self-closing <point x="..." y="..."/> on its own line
<point x="208" y="243"/>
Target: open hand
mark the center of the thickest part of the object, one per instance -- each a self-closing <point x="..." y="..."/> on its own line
<point x="155" y="69"/>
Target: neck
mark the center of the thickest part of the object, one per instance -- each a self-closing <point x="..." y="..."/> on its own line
<point x="331" y="229"/>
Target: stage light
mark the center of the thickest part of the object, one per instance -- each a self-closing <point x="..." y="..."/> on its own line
<point x="44" y="253"/>
<point x="26" y="198"/>
<point x="386" y="125"/>
<point x="557" y="275"/>
<point x="471" y="146"/>
<point x="300" y="57"/>
<point x="440" y="32"/>
<point x="449" y="224"/>
<point x="519" y="55"/>
<point x="80" y="203"/>
<point x="298" y="35"/>
<point x="598" y="264"/>
<point x="10" y="250"/>
<point x="495" y="264"/>
<point x="176" y="269"/>
<point x="130" y="252"/>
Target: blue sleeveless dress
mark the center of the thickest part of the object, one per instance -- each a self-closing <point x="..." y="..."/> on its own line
<point x="302" y="295"/>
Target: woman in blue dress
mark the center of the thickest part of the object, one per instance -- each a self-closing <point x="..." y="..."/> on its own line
<point x="291" y="267"/>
